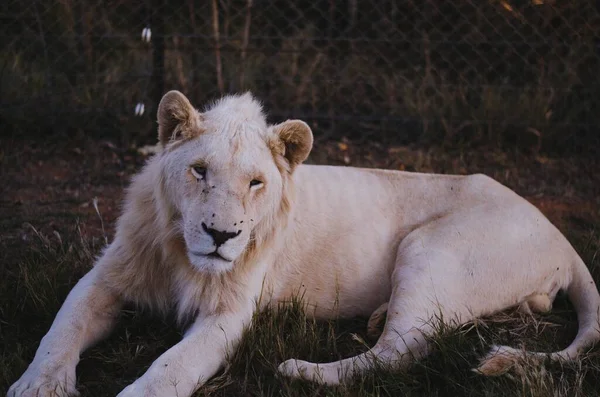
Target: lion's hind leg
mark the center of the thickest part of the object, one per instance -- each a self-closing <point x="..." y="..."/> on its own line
<point x="404" y="336"/>
<point x="391" y="351"/>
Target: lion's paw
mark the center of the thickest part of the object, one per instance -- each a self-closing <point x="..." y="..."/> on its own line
<point x="292" y="368"/>
<point x="34" y="383"/>
<point x="300" y="369"/>
<point x="325" y="373"/>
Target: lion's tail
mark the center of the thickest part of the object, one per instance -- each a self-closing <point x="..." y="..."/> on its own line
<point x="584" y="295"/>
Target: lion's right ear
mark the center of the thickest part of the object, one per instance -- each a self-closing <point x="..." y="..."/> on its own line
<point x="297" y="139"/>
<point x="177" y="118"/>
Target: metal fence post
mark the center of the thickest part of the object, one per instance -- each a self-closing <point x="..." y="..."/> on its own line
<point x="158" y="53"/>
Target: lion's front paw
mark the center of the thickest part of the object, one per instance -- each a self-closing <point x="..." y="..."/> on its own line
<point x="35" y="383"/>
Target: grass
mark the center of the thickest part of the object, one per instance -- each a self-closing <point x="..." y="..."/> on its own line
<point x="45" y="276"/>
<point x="40" y="264"/>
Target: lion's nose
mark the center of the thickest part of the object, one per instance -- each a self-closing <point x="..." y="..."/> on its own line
<point x="219" y="237"/>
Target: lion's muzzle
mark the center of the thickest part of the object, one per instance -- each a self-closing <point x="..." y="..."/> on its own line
<point x="213" y="249"/>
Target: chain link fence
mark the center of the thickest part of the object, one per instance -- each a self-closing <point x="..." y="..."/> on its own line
<point x="459" y="72"/>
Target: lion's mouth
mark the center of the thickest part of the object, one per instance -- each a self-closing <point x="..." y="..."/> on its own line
<point x="215" y="255"/>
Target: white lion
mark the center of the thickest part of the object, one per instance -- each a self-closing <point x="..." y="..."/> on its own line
<point x="225" y="220"/>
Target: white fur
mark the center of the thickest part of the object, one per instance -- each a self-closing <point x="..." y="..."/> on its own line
<point x="347" y="239"/>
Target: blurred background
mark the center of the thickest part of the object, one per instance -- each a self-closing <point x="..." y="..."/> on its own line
<point x="482" y="73"/>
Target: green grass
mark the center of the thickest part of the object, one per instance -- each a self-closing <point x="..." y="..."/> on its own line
<point x="33" y="293"/>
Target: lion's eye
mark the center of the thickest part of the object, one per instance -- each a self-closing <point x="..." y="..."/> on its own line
<point x="199" y="172"/>
<point x="255" y="182"/>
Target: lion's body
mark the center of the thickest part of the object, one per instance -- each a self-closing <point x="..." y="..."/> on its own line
<point x="346" y="240"/>
<point x="340" y="249"/>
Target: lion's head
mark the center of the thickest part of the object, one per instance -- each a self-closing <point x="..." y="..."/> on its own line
<point x="224" y="172"/>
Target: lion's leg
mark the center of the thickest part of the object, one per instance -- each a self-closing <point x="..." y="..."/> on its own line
<point x="393" y="350"/>
<point x="182" y="369"/>
<point x="426" y="287"/>
<point x="376" y="321"/>
<point x="86" y="316"/>
<point x="403" y="339"/>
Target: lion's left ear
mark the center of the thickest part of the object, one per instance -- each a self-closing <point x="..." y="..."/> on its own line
<point x="177" y="118"/>
<point x="297" y="139"/>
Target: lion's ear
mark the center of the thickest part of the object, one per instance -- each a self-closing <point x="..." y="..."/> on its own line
<point x="297" y="139"/>
<point x="177" y="118"/>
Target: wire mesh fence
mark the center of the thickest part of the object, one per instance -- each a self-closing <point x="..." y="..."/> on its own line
<point x="462" y="71"/>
